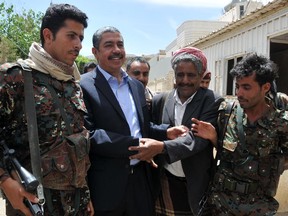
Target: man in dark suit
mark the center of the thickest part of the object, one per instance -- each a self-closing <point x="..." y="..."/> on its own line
<point x="186" y="172"/>
<point x="117" y="118"/>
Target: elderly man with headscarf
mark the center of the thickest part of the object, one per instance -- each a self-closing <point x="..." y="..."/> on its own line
<point x="185" y="163"/>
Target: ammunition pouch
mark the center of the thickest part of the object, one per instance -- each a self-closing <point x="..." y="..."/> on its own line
<point x="65" y="166"/>
<point x="240" y="186"/>
<point x="263" y="175"/>
<point x="222" y="182"/>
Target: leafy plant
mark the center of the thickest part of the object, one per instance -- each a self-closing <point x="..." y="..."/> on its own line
<point x="18" y="31"/>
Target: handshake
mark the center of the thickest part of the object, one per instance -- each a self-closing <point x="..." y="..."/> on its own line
<point x="149" y="148"/>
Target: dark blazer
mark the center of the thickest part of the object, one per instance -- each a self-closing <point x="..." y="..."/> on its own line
<point x="197" y="158"/>
<point x="110" y="138"/>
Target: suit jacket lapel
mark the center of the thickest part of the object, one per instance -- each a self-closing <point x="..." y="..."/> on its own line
<point x="169" y="107"/>
<point x="135" y="95"/>
<point x="103" y="86"/>
<point x="191" y="107"/>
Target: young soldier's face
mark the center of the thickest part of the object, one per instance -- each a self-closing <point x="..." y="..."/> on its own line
<point x="67" y="43"/>
<point x="250" y="94"/>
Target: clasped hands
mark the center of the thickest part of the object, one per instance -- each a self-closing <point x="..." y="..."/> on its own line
<point x="148" y="148"/>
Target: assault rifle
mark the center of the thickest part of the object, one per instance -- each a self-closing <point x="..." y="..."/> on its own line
<point x="19" y="173"/>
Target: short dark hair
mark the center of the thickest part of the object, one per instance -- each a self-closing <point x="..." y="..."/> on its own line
<point x="136" y="59"/>
<point x="97" y="36"/>
<point x="57" y="14"/>
<point x="89" y="65"/>
<point x="265" y="69"/>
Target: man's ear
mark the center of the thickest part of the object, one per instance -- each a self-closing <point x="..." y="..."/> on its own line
<point x="95" y="52"/>
<point x="266" y="87"/>
<point x="48" y="35"/>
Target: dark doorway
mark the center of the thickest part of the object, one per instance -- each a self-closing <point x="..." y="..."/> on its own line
<point x="231" y="64"/>
<point x="279" y="54"/>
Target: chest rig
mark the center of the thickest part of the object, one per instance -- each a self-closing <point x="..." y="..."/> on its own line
<point x="254" y="165"/>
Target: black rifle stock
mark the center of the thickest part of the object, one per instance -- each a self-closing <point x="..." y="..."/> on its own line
<point x="22" y="175"/>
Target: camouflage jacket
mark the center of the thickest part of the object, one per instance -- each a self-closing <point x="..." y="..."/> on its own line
<point x="51" y="127"/>
<point x="261" y="159"/>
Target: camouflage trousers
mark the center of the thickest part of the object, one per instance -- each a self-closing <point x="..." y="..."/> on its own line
<point x="58" y="203"/>
<point x="227" y="203"/>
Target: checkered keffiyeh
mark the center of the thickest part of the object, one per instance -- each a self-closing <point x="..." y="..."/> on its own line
<point x="192" y="51"/>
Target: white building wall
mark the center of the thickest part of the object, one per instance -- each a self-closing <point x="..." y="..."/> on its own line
<point x="234" y="13"/>
<point x="228" y="16"/>
<point x="191" y="31"/>
<point x="170" y="47"/>
<point x="252" y="37"/>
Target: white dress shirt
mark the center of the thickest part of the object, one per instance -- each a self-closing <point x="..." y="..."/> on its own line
<point x="176" y="167"/>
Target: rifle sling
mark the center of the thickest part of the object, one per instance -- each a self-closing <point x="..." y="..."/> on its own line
<point x="32" y="124"/>
<point x="222" y="127"/>
<point x="32" y="128"/>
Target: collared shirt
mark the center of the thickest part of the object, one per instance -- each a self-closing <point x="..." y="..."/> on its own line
<point x="148" y="94"/>
<point x="124" y="96"/>
<point x="176" y="167"/>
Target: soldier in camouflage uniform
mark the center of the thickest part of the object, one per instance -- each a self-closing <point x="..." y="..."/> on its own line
<point x="63" y="143"/>
<point x="253" y="148"/>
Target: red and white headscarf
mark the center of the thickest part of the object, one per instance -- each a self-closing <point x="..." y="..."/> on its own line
<point x="192" y="51"/>
<point x="207" y="75"/>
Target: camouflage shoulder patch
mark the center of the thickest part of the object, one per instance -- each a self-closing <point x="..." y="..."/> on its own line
<point x="224" y="104"/>
<point x="230" y="146"/>
<point x="7" y="66"/>
<point x="285" y="115"/>
<point x="10" y="72"/>
<point x="13" y="69"/>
